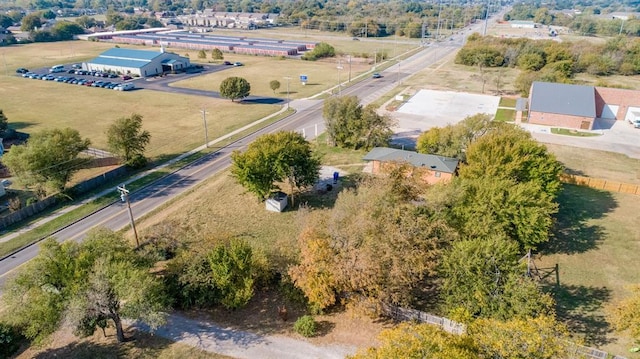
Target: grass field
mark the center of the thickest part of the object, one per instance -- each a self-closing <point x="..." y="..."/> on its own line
<point x="174" y="120"/>
<point x="597" y="164"/>
<point x="595" y="246"/>
<point x="260" y="71"/>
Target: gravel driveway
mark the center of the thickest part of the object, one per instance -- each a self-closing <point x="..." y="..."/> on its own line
<point x="239" y="344"/>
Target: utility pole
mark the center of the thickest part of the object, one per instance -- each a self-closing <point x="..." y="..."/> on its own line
<point x="349" y="68"/>
<point x="287" y="78"/>
<point x="206" y="132"/>
<point x="398" y="73"/>
<point x="124" y="195"/>
<point x="486" y="19"/>
<point x="339" y="67"/>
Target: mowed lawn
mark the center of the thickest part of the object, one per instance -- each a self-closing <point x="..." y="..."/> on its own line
<point x="596" y="248"/>
<point x="260" y="71"/>
<point x="174" y="121"/>
<point x="609" y="166"/>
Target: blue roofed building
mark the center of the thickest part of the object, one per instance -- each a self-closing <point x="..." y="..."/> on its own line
<point x="138" y="62"/>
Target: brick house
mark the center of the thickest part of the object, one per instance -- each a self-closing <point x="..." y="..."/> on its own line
<point x="577" y="106"/>
<point x="433" y="168"/>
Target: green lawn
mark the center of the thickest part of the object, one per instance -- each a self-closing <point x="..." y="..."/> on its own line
<point x="568" y="132"/>
<point x="260" y="71"/>
<point x="507" y="102"/>
<point x="595" y="246"/>
<point x="505" y="115"/>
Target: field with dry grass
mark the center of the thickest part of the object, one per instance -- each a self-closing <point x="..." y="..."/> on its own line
<point x="609" y="166"/>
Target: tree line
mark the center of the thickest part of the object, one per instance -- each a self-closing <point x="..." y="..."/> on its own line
<point x="551" y="61"/>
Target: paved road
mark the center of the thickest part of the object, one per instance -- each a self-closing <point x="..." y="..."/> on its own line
<point x="308" y="119"/>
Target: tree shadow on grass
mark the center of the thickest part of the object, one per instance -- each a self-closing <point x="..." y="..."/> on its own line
<point x="323" y="196"/>
<point x="580" y="308"/>
<point x="262" y="100"/>
<point x="101" y="347"/>
<point x="572" y="232"/>
<point x="19" y="125"/>
<point x="324" y="327"/>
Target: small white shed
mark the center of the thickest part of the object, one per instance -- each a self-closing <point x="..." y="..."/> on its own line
<point x="277" y="202"/>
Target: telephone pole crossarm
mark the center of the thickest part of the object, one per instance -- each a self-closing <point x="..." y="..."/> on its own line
<point x="124" y="196"/>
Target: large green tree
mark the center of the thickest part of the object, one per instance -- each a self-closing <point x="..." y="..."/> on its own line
<point x="48" y="159"/>
<point x="278" y="157"/>
<point x="453" y="140"/>
<point x="127" y="140"/>
<point x="100" y="279"/>
<point x="483" y="277"/>
<point x="494" y="205"/>
<point x="31" y="22"/>
<point x="235" y="88"/>
<point x="349" y="125"/>
<point x="510" y="152"/>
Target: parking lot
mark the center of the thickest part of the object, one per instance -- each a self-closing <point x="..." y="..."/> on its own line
<point x="74" y="75"/>
<point x="430" y="108"/>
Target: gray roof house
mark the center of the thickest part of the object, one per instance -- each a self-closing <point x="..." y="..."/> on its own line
<point x="438" y="168"/>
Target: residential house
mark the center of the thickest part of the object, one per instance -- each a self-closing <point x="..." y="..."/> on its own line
<point x="431" y="168"/>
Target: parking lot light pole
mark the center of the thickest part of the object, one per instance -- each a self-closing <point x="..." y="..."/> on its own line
<point x="124" y="195"/>
<point x="287" y="78"/>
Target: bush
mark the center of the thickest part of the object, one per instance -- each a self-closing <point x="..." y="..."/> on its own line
<point x="305" y="326"/>
<point x="9" y="340"/>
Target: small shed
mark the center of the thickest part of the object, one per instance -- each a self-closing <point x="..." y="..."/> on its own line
<point x="277" y="202"/>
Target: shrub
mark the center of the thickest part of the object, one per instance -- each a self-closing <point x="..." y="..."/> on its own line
<point x="9" y="340"/>
<point x="305" y="326"/>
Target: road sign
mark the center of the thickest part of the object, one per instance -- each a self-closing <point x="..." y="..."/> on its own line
<point x="303" y="78"/>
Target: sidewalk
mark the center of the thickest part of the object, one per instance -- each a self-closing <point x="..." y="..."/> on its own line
<point x="70" y="208"/>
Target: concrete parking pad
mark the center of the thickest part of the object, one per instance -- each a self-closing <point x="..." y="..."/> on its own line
<point x="429" y="108"/>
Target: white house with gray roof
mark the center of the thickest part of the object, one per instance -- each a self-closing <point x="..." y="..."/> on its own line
<point x="431" y="168"/>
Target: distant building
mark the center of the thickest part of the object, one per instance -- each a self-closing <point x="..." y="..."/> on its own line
<point x="137" y="62"/>
<point x="431" y="168"/>
<point x="577" y="106"/>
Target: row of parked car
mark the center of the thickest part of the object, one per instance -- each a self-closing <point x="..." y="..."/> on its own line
<point x="81" y="80"/>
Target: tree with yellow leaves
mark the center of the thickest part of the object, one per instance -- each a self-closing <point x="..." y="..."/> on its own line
<point x="626" y="315"/>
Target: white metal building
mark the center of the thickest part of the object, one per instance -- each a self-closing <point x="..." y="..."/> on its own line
<point x="137" y="62"/>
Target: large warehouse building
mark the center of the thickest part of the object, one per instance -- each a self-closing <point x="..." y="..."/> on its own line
<point x="137" y="62"/>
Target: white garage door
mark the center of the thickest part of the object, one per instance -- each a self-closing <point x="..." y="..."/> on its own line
<point x="632" y="113"/>
<point x="609" y="111"/>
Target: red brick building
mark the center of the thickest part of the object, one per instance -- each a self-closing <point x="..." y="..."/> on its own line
<point x="432" y="168"/>
<point x="577" y="106"/>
